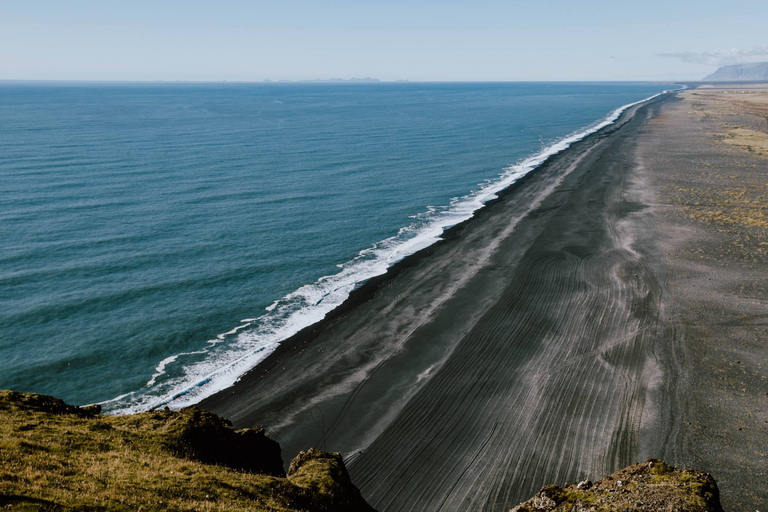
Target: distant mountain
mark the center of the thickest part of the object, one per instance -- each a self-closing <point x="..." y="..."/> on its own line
<point x="330" y="81"/>
<point x="740" y="72"/>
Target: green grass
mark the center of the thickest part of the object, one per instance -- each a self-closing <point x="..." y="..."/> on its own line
<point x="58" y="456"/>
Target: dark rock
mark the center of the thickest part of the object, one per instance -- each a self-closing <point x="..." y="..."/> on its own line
<point x="44" y="403"/>
<point x="326" y="477"/>
<point x="201" y="435"/>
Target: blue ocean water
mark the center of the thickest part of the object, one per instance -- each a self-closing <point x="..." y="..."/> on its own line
<point x="156" y="240"/>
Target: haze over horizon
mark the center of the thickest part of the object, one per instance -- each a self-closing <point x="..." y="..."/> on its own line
<point x="490" y="40"/>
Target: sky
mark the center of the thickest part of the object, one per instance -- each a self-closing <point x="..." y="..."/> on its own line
<point x="428" y="40"/>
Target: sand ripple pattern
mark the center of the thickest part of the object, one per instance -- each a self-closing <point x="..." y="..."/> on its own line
<point x="518" y="352"/>
<point x="549" y="385"/>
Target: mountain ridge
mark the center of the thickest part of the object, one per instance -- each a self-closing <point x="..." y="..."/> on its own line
<point x="738" y="72"/>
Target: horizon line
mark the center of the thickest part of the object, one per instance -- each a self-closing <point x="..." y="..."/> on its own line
<point x="325" y="81"/>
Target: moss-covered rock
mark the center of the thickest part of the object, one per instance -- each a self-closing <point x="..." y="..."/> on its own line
<point x="206" y="437"/>
<point x="55" y="456"/>
<point x="652" y="486"/>
<point x="326" y="479"/>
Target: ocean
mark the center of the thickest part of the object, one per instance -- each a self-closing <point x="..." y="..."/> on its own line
<point x="157" y="240"/>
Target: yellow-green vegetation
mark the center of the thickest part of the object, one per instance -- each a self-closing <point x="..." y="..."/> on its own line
<point x="721" y="103"/>
<point x="728" y="205"/>
<point x="724" y="105"/>
<point x="651" y="486"/>
<point x="54" y="456"/>
<point x="734" y="194"/>
<point x="744" y="138"/>
<point x="722" y="196"/>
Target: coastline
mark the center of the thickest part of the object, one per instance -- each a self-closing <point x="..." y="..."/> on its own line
<point x="331" y="292"/>
<point x="367" y="378"/>
<point x="606" y="309"/>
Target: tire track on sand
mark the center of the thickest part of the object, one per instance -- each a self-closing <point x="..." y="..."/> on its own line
<point x="556" y="369"/>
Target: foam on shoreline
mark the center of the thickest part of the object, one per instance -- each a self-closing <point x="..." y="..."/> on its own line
<point x="202" y="373"/>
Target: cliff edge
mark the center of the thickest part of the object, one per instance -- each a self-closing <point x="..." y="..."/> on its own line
<point x="55" y="456"/>
<point x="652" y="486"/>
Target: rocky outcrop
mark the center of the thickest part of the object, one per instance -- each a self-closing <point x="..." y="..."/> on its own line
<point x="55" y="456"/>
<point x="327" y="480"/>
<point x="13" y="401"/>
<point x="652" y="486"/>
<point x="208" y="438"/>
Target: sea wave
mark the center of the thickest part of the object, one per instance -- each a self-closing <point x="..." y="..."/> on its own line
<point x="201" y="373"/>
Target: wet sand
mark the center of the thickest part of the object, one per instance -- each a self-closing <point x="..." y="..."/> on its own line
<point x="609" y="307"/>
<point x="520" y="351"/>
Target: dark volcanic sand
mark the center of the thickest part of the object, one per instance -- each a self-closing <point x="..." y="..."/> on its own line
<point x="531" y="347"/>
<point x="517" y="353"/>
<point x="710" y="205"/>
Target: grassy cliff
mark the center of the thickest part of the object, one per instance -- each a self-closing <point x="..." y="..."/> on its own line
<point x="55" y="456"/>
<point x="652" y="486"/>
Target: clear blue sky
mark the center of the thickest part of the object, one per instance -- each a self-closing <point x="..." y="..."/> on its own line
<point x="394" y="39"/>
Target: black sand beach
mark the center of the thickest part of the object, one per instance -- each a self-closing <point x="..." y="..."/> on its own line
<point x="537" y="344"/>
